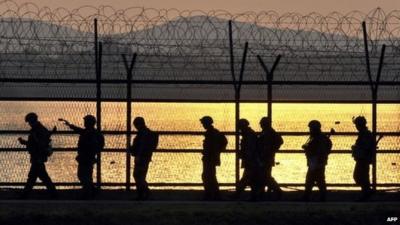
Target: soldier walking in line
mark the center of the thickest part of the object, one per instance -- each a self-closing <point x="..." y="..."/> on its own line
<point x="90" y="144"/>
<point x="250" y="162"/>
<point x="214" y="143"/>
<point x="142" y="148"/>
<point x="269" y="142"/>
<point x="317" y="149"/>
<point x="37" y="145"/>
<point x="363" y="152"/>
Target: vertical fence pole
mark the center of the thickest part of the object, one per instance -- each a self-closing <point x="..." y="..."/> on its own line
<point x="270" y="77"/>
<point x="129" y="69"/>
<point x="128" y="124"/>
<point x="374" y="91"/>
<point x="98" y="97"/>
<point x="367" y="55"/>
<point x="96" y="46"/>
<point x="237" y="105"/>
<point x="237" y="138"/>
<point x="375" y="114"/>
<point x="367" y="60"/>
<point x="98" y="109"/>
<point x="269" y="98"/>
<point x="237" y="87"/>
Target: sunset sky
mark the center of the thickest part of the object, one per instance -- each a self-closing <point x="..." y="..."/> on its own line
<point x="234" y="6"/>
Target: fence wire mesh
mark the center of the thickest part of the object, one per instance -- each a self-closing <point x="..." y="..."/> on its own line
<point x="182" y="72"/>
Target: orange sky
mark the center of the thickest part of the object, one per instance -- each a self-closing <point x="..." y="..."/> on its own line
<point x="235" y="6"/>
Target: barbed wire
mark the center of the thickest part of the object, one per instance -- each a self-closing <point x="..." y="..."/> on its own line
<point x="58" y="43"/>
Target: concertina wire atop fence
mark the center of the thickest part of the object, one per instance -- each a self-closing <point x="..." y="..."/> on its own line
<point x="193" y="45"/>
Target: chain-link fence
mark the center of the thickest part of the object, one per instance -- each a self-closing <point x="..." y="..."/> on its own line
<point x="187" y="64"/>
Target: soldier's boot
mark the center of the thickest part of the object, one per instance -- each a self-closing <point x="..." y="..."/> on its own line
<point x="52" y="191"/>
<point x="217" y="195"/>
<point x="146" y="194"/>
<point x="322" y="192"/>
<point x="278" y="194"/>
<point x="140" y="195"/>
<point x="26" y="192"/>
<point x="253" y="195"/>
<point x="322" y="196"/>
<point x="267" y="195"/>
<point x="306" y="196"/>
<point x="24" y="195"/>
<point x="53" y="194"/>
<point x="367" y="192"/>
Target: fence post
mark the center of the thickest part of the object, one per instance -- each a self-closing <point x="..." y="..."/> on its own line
<point x="270" y="77"/>
<point x="237" y="87"/>
<point x="129" y="69"/>
<point x="374" y="92"/>
<point x="237" y="105"/>
<point x="98" y="95"/>
<point x="375" y="114"/>
<point x="98" y="108"/>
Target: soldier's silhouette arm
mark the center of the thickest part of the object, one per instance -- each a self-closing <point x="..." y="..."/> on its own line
<point x="22" y="141"/>
<point x="134" y="147"/>
<point x="36" y="137"/>
<point x="73" y="127"/>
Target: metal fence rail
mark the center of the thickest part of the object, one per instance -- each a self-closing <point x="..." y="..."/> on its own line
<point x="111" y="56"/>
<point x="129" y="183"/>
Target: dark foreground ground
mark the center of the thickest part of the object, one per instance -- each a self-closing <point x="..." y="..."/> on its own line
<point x="183" y="207"/>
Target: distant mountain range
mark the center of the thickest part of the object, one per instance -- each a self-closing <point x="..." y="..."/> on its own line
<point x="196" y="30"/>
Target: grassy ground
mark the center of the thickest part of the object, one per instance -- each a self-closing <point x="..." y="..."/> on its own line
<point x="114" y="208"/>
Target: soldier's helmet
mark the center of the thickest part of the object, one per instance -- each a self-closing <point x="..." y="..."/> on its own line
<point x="360" y="121"/>
<point x="243" y="123"/>
<point x="206" y="120"/>
<point x="31" y="117"/>
<point x="90" y="120"/>
<point x="139" y="121"/>
<point x="314" y="124"/>
<point x="265" y="121"/>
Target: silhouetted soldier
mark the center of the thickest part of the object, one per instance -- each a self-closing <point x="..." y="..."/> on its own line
<point x="250" y="162"/>
<point x="317" y="150"/>
<point x="37" y="145"/>
<point x="90" y="144"/>
<point x="214" y="142"/>
<point x="363" y="152"/>
<point x="142" y="148"/>
<point x="269" y="142"/>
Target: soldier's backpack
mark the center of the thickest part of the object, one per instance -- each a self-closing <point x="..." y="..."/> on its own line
<point x="153" y="140"/>
<point x="222" y="142"/>
<point x="43" y="138"/>
<point x="49" y="149"/>
<point x="328" y="147"/>
<point x="270" y="144"/>
<point x="278" y="142"/>
<point x="99" y="142"/>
